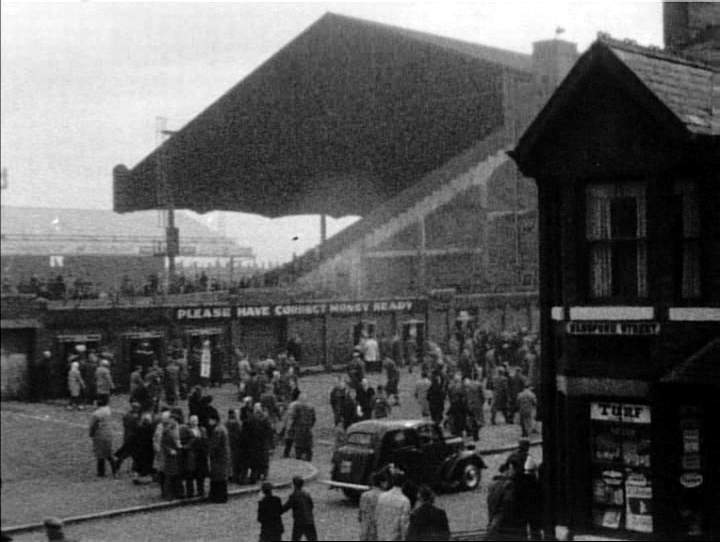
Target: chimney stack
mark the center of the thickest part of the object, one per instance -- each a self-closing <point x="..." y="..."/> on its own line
<point x="693" y="29"/>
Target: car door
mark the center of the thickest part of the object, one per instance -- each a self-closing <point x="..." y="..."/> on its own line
<point x="401" y="448"/>
<point x="433" y="450"/>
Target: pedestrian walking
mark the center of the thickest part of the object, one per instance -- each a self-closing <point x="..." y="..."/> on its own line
<point x="260" y="444"/>
<point x="337" y="396"/>
<point x="104" y="384"/>
<point x="350" y="409"/>
<point x="392" y="374"/>
<point x="301" y="505"/>
<point x="457" y="411"/>
<point x="475" y="403"/>
<point x="393" y="510"/>
<point x="529" y="497"/>
<point x="195" y="481"/>
<point x="381" y="406"/>
<point x="101" y="435"/>
<point x="367" y="511"/>
<point x="302" y="422"/>
<point x="136" y="380"/>
<point x="159" y="456"/>
<point x="436" y="398"/>
<point x="76" y="385"/>
<point x="219" y="459"/>
<point x="172" y="382"/>
<point x="500" y="400"/>
<point x="235" y="436"/>
<point x="427" y="521"/>
<point x="504" y="518"/>
<point x="269" y="515"/>
<point x="516" y="384"/>
<point x="170" y="446"/>
<point x="527" y="407"/>
<point x="421" y="394"/>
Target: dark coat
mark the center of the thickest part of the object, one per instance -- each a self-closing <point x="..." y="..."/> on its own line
<point x="301" y="504"/>
<point x="142" y="448"/>
<point x="349" y="411"/>
<point x="171" y="453"/>
<point x="302" y="420"/>
<point x="187" y="452"/>
<point x="219" y="454"/>
<point x="504" y="518"/>
<point x="427" y="522"/>
<point x="269" y="516"/>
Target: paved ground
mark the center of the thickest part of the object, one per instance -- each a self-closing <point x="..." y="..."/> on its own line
<point x="47" y="468"/>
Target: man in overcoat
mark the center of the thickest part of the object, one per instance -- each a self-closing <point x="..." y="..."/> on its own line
<point x="302" y="422"/>
<point x="219" y="457"/>
<point x="270" y="515"/>
<point x="427" y="521"/>
<point x="475" y="402"/>
<point x="101" y="435"/>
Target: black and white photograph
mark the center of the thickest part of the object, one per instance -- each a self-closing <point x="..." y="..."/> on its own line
<point x="360" y="270"/>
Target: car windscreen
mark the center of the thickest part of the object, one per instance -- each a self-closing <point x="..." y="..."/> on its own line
<point x="360" y="439"/>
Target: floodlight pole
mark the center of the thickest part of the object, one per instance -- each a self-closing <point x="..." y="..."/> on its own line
<point x="172" y="236"/>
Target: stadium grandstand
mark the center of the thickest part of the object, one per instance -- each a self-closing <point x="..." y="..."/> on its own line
<point x="95" y="253"/>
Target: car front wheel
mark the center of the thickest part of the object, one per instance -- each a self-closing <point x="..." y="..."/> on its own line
<point x="470" y="476"/>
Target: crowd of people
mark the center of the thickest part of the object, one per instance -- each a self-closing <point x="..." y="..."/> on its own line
<point x="183" y="447"/>
<point x="452" y="387"/>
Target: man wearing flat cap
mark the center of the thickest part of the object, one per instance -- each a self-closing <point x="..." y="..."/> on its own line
<point x="270" y="515"/>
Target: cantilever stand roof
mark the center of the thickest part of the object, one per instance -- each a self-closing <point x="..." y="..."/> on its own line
<point x="344" y="117"/>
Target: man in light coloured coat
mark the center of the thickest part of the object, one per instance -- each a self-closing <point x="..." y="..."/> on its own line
<point x="367" y="512"/>
<point x="393" y="511"/>
<point x="104" y="384"/>
<point x="102" y="436"/>
<point x="527" y="407"/>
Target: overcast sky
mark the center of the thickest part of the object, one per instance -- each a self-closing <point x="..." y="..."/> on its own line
<point x="82" y="82"/>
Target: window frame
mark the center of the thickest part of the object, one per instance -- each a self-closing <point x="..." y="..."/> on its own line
<point x="587" y="243"/>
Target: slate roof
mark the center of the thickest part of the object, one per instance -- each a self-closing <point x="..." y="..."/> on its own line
<point x="689" y="88"/>
<point x="703" y="367"/>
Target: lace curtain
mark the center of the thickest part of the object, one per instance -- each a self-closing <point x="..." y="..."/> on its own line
<point x="598" y="230"/>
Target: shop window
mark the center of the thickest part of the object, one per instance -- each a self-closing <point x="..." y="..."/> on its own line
<point x="616" y="235"/>
<point x="692" y="491"/>
<point x="687" y="248"/>
<point x="621" y="482"/>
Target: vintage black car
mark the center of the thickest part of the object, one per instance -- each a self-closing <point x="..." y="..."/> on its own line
<point x="417" y="447"/>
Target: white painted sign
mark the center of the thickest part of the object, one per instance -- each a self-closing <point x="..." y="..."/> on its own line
<point x="619" y="412"/>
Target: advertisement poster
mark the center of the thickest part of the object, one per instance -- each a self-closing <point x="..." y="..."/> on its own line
<point x="638" y="512"/>
<point x="205" y="360"/>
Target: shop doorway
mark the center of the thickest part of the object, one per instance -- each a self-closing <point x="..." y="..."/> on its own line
<point x="140" y="348"/>
<point x="205" y="353"/>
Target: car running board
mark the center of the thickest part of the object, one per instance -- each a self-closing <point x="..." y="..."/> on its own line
<point x="344" y="485"/>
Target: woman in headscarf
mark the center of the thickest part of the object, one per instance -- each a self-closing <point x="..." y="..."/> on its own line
<point x="76" y="385"/>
